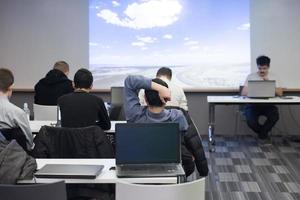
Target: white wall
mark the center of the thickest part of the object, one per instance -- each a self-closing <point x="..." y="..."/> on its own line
<point x="36" y="33"/>
<point x="275" y="31"/>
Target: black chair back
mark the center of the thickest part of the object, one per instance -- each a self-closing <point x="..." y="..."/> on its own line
<point x="48" y="191"/>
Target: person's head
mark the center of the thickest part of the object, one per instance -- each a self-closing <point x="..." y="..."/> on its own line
<point x="164" y="71"/>
<point x="152" y="97"/>
<point x="6" y="81"/>
<point x="263" y="65"/>
<point x="83" y="79"/>
<point x="62" y="66"/>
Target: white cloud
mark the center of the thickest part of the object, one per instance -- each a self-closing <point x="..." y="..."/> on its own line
<point x="147" y="39"/>
<point x="147" y="14"/>
<point x="191" y="43"/>
<point x="138" y="44"/>
<point x="144" y="48"/>
<point x="115" y="3"/>
<point x="244" y="27"/>
<point x="194" y="48"/>
<point x="186" y="39"/>
<point x="168" y="36"/>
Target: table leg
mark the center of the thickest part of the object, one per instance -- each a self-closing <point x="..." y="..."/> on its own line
<point x="211" y="127"/>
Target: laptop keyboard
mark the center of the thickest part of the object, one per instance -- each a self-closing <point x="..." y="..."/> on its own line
<point x="150" y="167"/>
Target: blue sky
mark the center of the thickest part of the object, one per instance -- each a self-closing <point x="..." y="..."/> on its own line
<point x="169" y="32"/>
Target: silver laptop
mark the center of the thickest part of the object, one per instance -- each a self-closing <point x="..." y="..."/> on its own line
<point x="148" y="150"/>
<point x="69" y="171"/>
<point x="261" y="89"/>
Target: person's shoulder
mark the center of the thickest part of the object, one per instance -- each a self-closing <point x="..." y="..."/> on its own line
<point x="175" y="113"/>
<point x="13" y="109"/>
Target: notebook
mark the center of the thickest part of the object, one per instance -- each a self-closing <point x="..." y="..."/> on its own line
<point x="69" y="171"/>
<point x="261" y="89"/>
<point x="148" y="150"/>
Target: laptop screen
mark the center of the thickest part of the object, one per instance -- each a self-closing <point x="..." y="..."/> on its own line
<point x="147" y="143"/>
<point x="116" y="95"/>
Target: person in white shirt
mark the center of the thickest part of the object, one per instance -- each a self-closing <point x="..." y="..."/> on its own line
<point x="12" y="116"/>
<point x="254" y="111"/>
<point x="178" y="98"/>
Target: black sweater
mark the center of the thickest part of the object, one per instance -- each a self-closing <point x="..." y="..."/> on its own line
<point x="81" y="109"/>
<point x="51" y="87"/>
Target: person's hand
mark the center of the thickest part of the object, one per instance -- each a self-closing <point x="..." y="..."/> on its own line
<point x="164" y="94"/>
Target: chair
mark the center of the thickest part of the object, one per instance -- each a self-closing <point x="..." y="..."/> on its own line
<point x="15" y="134"/>
<point x="48" y="191"/>
<point x="43" y="112"/>
<point x="192" y="191"/>
<point x="85" y="142"/>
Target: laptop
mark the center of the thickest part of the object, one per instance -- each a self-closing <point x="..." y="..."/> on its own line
<point x="148" y="150"/>
<point x="116" y="102"/>
<point x="116" y="95"/>
<point x="69" y="171"/>
<point x="261" y="88"/>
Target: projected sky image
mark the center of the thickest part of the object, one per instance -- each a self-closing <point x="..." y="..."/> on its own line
<point x="206" y="43"/>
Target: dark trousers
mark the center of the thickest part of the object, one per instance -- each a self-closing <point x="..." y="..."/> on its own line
<point x="253" y="112"/>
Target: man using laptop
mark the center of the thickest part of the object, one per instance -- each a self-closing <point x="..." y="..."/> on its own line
<point x="156" y="95"/>
<point x="254" y="111"/>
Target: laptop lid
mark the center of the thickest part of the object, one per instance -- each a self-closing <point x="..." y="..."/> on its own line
<point x="69" y="171"/>
<point x="116" y="95"/>
<point x="147" y="143"/>
<point x="261" y="88"/>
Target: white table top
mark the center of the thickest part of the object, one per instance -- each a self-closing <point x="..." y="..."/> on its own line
<point x="106" y="176"/>
<point x="36" y="125"/>
<point x="242" y="99"/>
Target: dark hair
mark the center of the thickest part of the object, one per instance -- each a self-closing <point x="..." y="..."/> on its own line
<point x="83" y="78"/>
<point x="6" y="79"/>
<point x="152" y="96"/>
<point x="263" y="60"/>
<point x="62" y="66"/>
<point x="164" y="71"/>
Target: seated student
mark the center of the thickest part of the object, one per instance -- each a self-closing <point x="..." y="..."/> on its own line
<point x="12" y="116"/>
<point x="156" y="94"/>
<point x="53" y="85"/>
<point x="254" y="111"/>
<point x="80" y="108"/>
<point x="178" y="98"/>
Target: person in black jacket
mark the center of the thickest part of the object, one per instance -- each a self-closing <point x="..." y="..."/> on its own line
<point x="53" y="85"/>
<point x="80" y="108"/>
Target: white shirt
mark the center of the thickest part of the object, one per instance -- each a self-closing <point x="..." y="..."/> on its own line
<point x="178" y="97"/>
<point x="12" y="116"/>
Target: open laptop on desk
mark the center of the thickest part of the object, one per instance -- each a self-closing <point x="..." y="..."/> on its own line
<point x="69" y="171"/>
<point x="261" y="89"/>
<point x="148" y="150"/>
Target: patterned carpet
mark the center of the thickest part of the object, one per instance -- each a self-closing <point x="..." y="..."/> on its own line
<point x="242" y="169"/>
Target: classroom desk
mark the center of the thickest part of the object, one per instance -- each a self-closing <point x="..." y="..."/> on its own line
<point x="231" y="100"/>
<point x="36" y="125"/>
<point x="106" y="176"/>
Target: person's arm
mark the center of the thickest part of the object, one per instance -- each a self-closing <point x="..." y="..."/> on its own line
<point x="104" y="121"/>
<point x="244" y="91"/>
<point x="132" y="106"/>
<point x="132" y="85"/>
<point x="278" y="91"/>
<point x="20" y="119"/>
